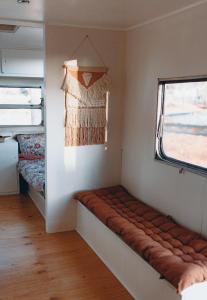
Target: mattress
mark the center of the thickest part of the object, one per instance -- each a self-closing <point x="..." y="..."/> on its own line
<point x="33" y="171"/>
<point x="177" y="253"/>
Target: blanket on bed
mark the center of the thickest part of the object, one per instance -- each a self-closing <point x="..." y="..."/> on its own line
<point x="33" y="171"/>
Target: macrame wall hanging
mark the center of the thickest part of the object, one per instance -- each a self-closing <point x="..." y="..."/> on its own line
<point x="86" y="90"/>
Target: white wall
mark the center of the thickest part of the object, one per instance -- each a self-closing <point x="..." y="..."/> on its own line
<point x="173" y="47"/>
<point x="77" y="168"/>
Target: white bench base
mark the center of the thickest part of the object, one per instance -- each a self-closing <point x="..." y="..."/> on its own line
<point x="138" y="277"/>
<point x="38" y="200"/>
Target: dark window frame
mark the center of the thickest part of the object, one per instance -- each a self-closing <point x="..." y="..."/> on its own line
<point x="159" y="150"/>
<point x="25" y="106"/>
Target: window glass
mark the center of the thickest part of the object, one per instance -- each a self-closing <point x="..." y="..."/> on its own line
<point x="184" y="125"/>
<point x="16" y="96"/>
<point x="24" y="117"/>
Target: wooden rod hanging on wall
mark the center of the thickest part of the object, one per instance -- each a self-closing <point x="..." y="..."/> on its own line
<point x="86" y="69"/>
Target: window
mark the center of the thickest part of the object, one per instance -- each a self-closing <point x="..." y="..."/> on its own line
<point x="182" y="123"/>
<point x="21" y="106"/>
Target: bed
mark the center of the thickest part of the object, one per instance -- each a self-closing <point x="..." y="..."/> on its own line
<point x="33" y="172"/>
<point x="31" y="166"/>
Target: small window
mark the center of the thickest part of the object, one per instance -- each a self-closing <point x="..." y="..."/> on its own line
<point x="21" y="106"/>
<point x="182" y="123"/>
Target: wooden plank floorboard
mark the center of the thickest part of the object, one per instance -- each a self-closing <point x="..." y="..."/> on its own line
<point x="39" y="266"/>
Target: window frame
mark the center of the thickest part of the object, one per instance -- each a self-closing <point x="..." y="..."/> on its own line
<point x="159" y="150"/>
<point x="25" y="106"/>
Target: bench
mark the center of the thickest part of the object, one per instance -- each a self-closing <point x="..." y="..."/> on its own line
<point x="172" y="260"/>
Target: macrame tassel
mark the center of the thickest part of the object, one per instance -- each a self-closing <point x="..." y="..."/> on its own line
<point x="73" y="102"/>
<point x="84" y="136"/>
<point x="86" y="117"/>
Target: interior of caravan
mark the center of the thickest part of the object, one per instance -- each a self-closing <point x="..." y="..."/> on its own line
<point x="103" y="150"/>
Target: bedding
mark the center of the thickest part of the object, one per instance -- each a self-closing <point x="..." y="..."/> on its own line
<point x="33" y="171"/>
<point x="177" y="253"/>
<point x="32" y="144"/>
<point x="31" y="163"/>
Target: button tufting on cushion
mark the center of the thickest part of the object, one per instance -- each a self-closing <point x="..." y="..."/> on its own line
<point x="178" y="254"/>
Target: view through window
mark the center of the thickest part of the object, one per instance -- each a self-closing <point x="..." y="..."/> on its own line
<point x="183" y="125"/>
<point x="20" y="106"/>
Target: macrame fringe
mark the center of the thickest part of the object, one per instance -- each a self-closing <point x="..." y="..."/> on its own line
<point x="73" y="102"/>
<point x="95" y="92"/>
<point x="86" y="117"/>
<point x="84" y="136"/>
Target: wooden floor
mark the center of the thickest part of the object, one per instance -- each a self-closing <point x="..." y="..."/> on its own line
<point x="38" y="266"/>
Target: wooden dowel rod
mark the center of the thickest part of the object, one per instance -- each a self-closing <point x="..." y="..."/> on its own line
<point x="86" y="69"/>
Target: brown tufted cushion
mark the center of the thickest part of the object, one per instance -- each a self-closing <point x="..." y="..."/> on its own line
<point x="178" y="254"/>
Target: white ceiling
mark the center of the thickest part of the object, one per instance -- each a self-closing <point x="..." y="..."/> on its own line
<point x="120" y="14"/>
<point x="110" y="13"/>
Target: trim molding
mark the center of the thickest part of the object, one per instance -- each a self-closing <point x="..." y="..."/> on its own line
<point x="165" y="16"/>
<point x="86" y="27"/>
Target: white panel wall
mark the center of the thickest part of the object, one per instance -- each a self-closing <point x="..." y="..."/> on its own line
<point x="76" y="168"/>
<point x="173" y="47"/>
<point x="25" y="63"/>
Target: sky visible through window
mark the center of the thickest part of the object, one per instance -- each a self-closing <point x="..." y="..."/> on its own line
<point x="185" y="122"/>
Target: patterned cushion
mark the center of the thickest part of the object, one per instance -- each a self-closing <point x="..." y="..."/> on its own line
<point x="177" y="253"/>
<point x="33" y="171"/>
<point x="32" y="144"/>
